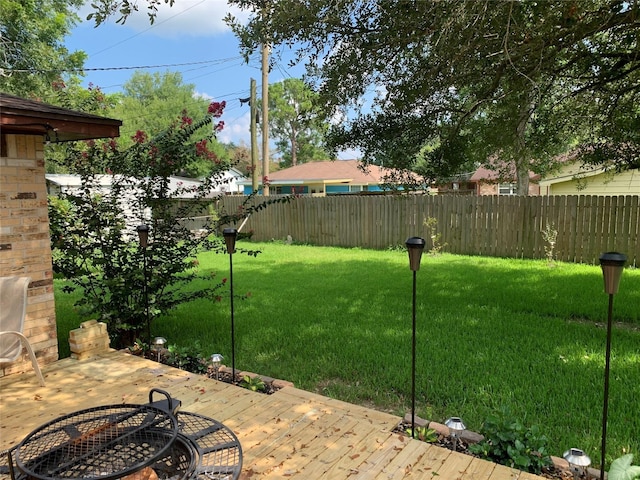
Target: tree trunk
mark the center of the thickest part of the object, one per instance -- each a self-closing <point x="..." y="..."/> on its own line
<point x="521" y="154"/>
<point x="522" y="173"/>
<point x="294" y="148"/>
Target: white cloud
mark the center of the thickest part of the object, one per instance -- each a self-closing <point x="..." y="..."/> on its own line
<point x="195" y="18"/>
<point x="236" y="130"/>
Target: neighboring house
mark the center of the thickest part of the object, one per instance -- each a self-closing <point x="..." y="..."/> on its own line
<point x="325" y="178"/>
<point x="25" y="250"/>
<point x="491" y="182"/>
<point x="457" y="185"/>
<point x="576" y="179"/>
<point x="232" y="182"/>
<point x="68" y="183"/>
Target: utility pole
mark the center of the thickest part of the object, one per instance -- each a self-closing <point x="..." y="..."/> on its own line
<point x="265" y="118"/>
<point x="254" y="137"/>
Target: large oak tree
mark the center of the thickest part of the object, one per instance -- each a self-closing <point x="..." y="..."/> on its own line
<point x="468" y="81"/>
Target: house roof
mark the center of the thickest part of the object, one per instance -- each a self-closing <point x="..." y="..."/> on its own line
<point x="28" y="117"/>
<point x="336" y="171"/>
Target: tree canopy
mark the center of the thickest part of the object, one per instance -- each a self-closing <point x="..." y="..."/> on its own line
<point x="152" y="101"/>
<point x="297" y="122"/>
<point x="459" y="82"/>
<point x="32" y="53"/>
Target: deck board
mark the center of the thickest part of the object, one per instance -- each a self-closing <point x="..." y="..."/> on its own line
<point x="290" y="434"/>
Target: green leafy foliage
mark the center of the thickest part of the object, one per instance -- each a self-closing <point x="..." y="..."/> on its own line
<point x="424" y="434"/>
<point x="621" y="469"/>
<point x="32" y="52"/>
<point x="188" y="357"/>
<point x="519" y="82"/>
<point x="508" y="442"/>
<point x="95" y="239"/>
<point x="436" y="237"/>
<point x="255" y="384"/>
<point x="297" y="121"/>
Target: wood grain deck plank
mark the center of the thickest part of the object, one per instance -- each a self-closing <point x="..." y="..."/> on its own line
<point x="454" y="466"/>
<point x="385" y="449"/>
<point x="504" y="473"/>
<point x="343" y="458"/>
<point x="291" y="455"/>
<point x="478" y="469"/>
<point x="406" y="462"/>
<point x="292" y="433"/>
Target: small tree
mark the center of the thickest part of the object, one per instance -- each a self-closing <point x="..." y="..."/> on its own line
<point x="98" y="238"/>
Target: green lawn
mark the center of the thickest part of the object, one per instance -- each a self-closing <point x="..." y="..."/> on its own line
<point x="492" y="333"/>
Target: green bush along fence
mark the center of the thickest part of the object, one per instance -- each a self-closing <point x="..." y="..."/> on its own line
<point x="504" y="226"/>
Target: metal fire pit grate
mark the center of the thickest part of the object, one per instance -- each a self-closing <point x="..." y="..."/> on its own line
<point x="114" y="441"/>
<point x="218" y="451"/>
<point x="103" y="442"/>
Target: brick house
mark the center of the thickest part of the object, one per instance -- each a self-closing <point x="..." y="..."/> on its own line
<point x="25" y="250"/>
<point x="491" y="182"/>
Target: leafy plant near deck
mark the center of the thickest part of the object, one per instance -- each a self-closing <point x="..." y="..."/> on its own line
<point x="508" y="442"/>
<point x="255" y="384"/>
<point x="621" y="469"/>
<point x="424" y="434"/>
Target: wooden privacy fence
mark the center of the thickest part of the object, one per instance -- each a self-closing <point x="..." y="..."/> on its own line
<point x="503" y="226"/>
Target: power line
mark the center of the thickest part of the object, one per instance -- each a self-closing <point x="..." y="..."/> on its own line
<point x="139" y="67"/>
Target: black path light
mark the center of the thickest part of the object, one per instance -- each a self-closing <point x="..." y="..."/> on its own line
<point x="415" y="247"/>
<point x="143" y="237"/>
<point x="230" y="235"/>
<point x="612" y="264"/>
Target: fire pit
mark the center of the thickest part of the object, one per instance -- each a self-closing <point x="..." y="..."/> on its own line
<point x="112" y="442"/>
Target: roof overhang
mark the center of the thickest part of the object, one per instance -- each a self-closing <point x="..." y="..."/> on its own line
<point x="56" y="124"/>
<point x="572" y="175"/>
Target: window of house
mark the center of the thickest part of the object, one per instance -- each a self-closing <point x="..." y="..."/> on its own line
<point x="507" y="189"/>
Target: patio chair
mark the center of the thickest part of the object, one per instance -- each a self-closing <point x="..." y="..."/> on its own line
<point x="13" y="309"/>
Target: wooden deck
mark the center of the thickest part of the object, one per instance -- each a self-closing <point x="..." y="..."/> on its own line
<point x="290" y="434"/>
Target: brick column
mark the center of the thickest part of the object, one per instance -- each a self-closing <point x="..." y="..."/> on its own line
<point x="25" y="248"/>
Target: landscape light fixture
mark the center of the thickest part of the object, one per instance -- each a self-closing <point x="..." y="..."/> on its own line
<point x="578" y="462"/>
<point x="612" y="264"/>
<point x="143" y="237"/>
<point x="216" y="361"/>
<point x="456" y="427"/>
<point x="415" y="247"/>
<point x="159" y="343"/>
<point x="230" y="235"/>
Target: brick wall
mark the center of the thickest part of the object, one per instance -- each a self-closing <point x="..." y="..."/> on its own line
<point x="24" y="241"/>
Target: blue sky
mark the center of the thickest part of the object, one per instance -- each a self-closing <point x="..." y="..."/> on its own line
<point x="192" y="31"/>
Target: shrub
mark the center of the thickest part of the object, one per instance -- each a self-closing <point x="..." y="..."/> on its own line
<point x="508" y="442"/>
<point x="95" y="237"/>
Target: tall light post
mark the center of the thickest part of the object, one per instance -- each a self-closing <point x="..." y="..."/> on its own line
<point x="230" y="235"/>
<point x="612" y="264"/>
<point x="415" y="247"/>
<point x="143" y="237"/>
